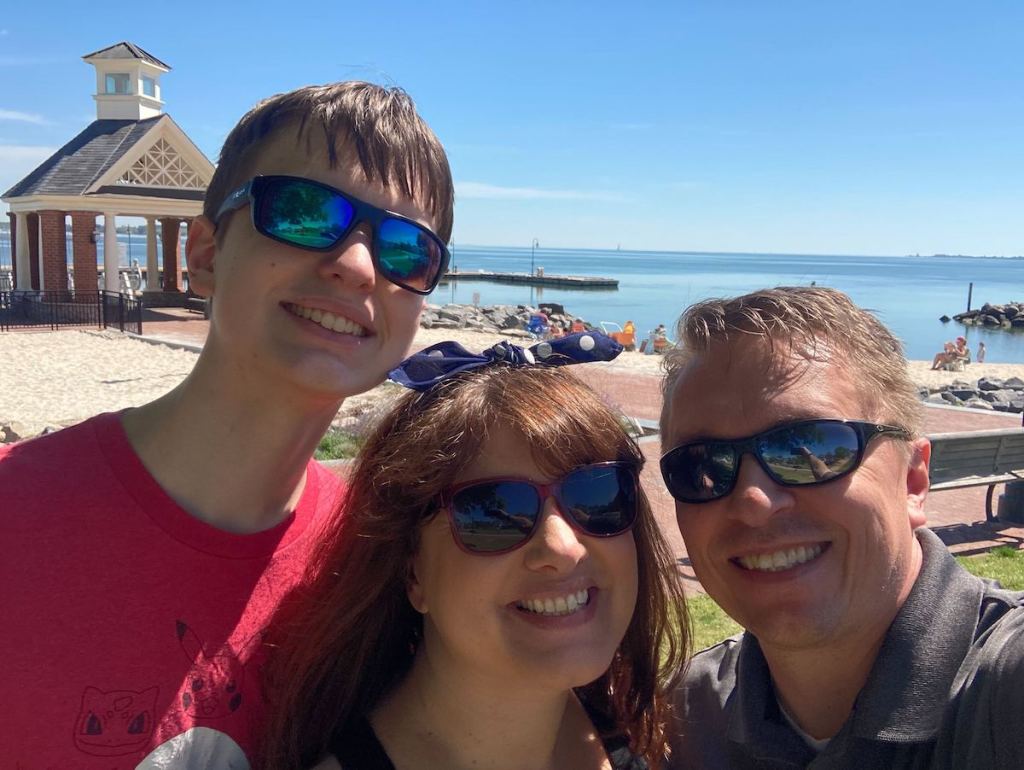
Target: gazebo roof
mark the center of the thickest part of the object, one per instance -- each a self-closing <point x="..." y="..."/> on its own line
<point x="126" y="50"/>
<point x="79" y="163"/>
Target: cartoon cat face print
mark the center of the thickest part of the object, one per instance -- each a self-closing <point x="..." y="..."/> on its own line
<point x="113" y="723"/>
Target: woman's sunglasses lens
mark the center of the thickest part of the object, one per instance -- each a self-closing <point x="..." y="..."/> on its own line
<point x="697" y="473"/>
<point x="304" y="214"/>
<point x="810" y="453"/>
<point x="601" y="500"/>
<point x="494" y="516"/>
<point x="408" y="255"/>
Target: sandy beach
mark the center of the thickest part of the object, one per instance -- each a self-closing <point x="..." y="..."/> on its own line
<point x="58" y="378"/>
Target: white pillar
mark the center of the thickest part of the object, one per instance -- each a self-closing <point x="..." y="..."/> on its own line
<point x="39" y="255"/>
<point x="23" y="254"/>
<point x="111" y="257"/>
<point x="152" y="268"/>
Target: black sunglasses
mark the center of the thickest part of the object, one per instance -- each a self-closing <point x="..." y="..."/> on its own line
<point x="796" y="454"/>
<point x="314" y="216"/>
<point x="497" y="515"/>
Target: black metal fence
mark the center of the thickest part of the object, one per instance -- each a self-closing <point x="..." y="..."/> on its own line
<point x="58" y="309"/>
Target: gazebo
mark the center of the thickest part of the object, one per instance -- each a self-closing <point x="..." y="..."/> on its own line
<point x="133" y="160"/>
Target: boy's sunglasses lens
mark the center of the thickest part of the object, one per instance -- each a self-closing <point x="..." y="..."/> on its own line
<point x="408" y="255"/>
<point x="601" y="500"/>
<point x="304" y="214"/>
<point x="495" y="517"/>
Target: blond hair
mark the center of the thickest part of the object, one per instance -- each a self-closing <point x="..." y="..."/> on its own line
<point x="806" y="319"/>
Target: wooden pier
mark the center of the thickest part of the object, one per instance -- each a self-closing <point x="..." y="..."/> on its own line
<point x="526" y="279"/>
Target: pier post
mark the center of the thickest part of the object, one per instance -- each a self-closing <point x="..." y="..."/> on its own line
<point x="970" y="291"/>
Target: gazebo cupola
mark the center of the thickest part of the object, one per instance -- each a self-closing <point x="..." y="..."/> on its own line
<point x="127" y="82"/>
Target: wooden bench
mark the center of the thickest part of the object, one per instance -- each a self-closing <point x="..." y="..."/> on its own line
<point x="977" y="458"/>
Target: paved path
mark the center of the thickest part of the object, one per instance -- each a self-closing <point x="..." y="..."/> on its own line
<point x="957" y="516"/>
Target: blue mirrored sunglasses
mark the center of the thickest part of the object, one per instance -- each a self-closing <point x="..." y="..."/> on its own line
<point x="314" y="216"/>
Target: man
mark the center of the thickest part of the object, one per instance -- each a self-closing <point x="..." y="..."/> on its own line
<point x="144" y="551"/>
<point x="795" y="457"/>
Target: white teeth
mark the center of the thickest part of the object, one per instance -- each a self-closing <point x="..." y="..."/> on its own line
<point x="334" y="323"/>
<point x="562" y="605"/>
<point x="780" y="560"/>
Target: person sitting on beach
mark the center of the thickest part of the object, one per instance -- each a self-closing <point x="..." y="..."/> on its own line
<point x="500" y="597"/>
<point x="866" y="643"/>
<point x="144" y="551"/>
<point x="953" y="354"/>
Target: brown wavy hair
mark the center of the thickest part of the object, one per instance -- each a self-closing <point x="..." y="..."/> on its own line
<point x="377" y="126"/>
<point x="351" y="635"/>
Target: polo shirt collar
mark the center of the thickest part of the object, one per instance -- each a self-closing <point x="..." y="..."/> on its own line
<point x="908" y="688"/>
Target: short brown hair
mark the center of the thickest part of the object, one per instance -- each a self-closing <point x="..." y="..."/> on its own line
<point x="380" y="125"/>
<point x="808" y="317"/>
<point x="352" y="637"/>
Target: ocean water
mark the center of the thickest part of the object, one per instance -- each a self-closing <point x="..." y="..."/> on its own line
<point x="907" y="293"/>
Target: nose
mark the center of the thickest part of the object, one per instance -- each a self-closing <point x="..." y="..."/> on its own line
<point x="351" y="261"/>
<point x="757" y="497"/>
<point x="555" y="546"/>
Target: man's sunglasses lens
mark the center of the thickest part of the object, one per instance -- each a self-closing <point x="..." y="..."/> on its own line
<point x="798" y="455"/>
<point x="809" y="453"/>
<point x="500" y="515"/>
<point x="304" y="214"/>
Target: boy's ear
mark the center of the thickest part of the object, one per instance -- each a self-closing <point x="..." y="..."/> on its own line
<point x="200" y="254"/>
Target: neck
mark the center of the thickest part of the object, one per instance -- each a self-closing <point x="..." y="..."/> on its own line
<point x="442" y="718"/>
<point x="818" y="689"/>
<point x="229" y="453"/>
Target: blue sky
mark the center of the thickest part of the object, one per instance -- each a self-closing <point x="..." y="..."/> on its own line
<point x="807" y="127"/>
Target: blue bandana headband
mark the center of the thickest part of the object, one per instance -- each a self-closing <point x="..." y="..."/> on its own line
<point x="445" y="359"/>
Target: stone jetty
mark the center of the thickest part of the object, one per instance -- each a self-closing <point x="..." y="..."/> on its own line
<point x="1007" y="316"/>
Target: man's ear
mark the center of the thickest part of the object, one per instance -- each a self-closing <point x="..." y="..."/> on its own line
<point x="917" y="480"/>
<point x="200" y="255"/>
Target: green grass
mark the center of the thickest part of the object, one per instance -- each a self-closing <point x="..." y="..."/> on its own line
<point x="709" y="622"/>
<point x="1004" y="564"/>
<point x="337" y="445"/>
<point x="711" y="625"/>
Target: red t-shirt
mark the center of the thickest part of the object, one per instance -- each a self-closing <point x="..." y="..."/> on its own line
<point x="131" y="633"/>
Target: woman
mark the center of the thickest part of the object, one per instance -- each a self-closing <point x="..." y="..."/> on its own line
<point x="497" y="591"/>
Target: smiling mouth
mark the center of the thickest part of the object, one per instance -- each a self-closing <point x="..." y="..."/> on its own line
<point x="329" y="321"/>
<point x="781" y="560"/>
<point x="556" y="606"/>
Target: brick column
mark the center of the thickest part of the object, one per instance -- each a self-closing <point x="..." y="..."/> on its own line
<point x="55" y="250"/>
<point x="14" y="247"/>
<point x="83" y="250"/>
<point x="33" y="249"/>
<point x="169" y="243"/>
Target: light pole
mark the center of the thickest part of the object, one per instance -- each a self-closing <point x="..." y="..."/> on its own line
<point x="533" y="253"/>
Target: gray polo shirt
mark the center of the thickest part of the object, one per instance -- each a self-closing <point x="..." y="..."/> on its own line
<point x="946" y="691"/>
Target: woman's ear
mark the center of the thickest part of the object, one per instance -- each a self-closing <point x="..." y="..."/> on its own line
<point x="413" y="587"/>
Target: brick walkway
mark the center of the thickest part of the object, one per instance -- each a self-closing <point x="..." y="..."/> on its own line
<point x="957" y="516"/>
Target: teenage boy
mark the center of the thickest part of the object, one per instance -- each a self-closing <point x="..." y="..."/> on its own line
<point x="800" y="475"/>
<point x="144" y="551"/>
